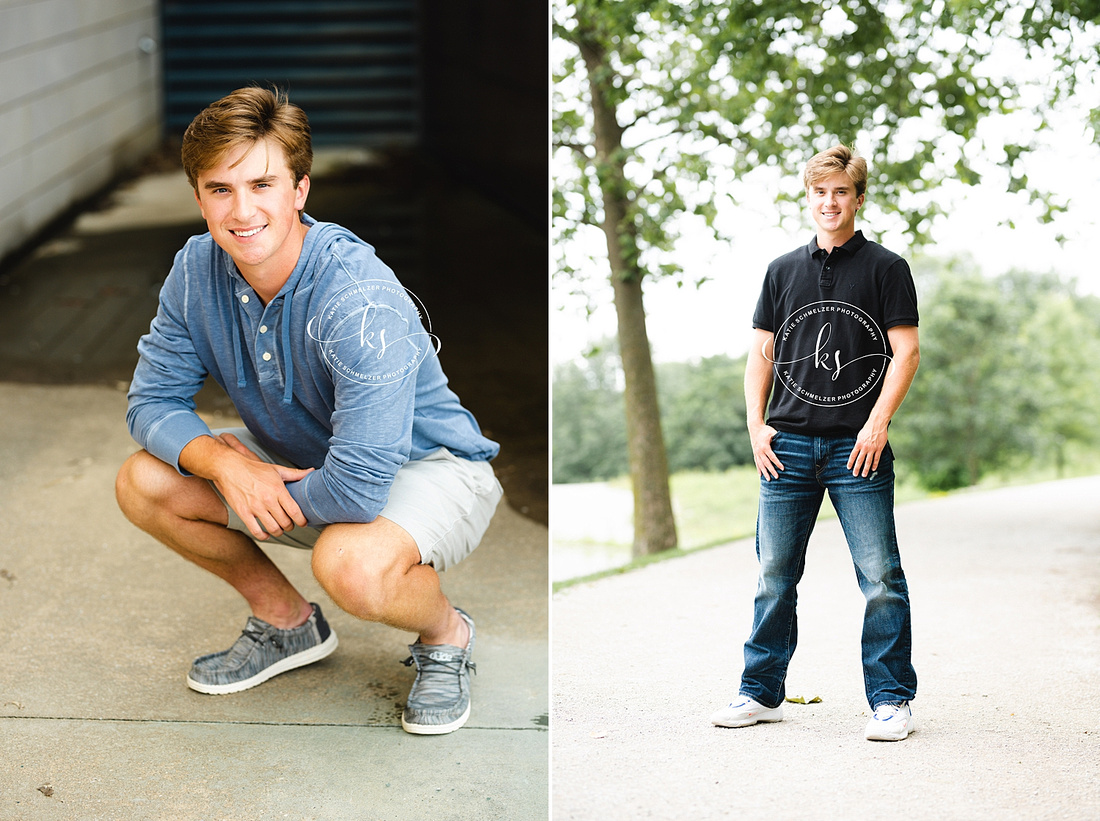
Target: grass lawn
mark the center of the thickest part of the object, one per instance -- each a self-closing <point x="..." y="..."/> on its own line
<point x="717" y="508"/>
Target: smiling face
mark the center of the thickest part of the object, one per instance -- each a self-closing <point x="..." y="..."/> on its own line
<point x="251" y="205"/>
<point x="833" y="204"/>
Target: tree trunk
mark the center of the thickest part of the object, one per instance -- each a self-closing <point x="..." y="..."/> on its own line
<point x="654" y="525"/>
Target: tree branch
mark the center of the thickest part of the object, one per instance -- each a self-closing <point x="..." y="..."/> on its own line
<point x="579" y="148"/>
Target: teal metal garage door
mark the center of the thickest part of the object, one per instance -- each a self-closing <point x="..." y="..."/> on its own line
<point x="351" y="64"/>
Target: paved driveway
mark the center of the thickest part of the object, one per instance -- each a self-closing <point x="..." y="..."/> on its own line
<point x="1006" y="610"/>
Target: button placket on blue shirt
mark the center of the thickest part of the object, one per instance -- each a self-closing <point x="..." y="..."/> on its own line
<point x="259" y="322"/>
<point x="267" y="341"/>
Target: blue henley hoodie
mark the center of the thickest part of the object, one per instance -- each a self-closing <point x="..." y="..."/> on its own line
<point x="338" y="372"/>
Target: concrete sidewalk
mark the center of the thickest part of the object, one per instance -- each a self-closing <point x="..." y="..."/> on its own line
<point x="100" y="624"/>
<point x="1005" y="588"/>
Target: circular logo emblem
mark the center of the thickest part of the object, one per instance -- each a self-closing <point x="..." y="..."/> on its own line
<point x="373" y="332"/>
<point x="829" y="354"/>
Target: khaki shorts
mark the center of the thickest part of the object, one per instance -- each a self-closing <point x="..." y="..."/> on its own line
<point x="445" y="503"/>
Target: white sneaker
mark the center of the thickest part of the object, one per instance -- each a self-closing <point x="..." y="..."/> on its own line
<point x="744" y="712"/>
<point x="891" y="722"/>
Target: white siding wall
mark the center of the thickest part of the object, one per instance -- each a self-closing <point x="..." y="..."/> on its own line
<point x="79" y="102"/>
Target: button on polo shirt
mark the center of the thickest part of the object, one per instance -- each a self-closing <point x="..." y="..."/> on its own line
<point x="829" y="261"/>
<point x="258" y="321"/>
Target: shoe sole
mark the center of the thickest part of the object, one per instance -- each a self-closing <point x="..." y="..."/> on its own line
<point x="313" y="654"/>
<point x="435" y="729"/>
<point x="746" y="723"/>
<point x="764" y="718"/>
<point x="910" y="728"/>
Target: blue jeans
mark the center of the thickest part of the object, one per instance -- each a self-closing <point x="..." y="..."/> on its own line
<point x="788" y="510"/>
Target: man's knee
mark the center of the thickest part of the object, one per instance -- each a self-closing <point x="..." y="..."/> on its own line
<point x="136" y="482"/>
<point x="362" y="566"/>
<point x="145" y="486"/>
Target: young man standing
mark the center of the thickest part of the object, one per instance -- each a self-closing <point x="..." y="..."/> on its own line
<point x="354" y="446"/>
<point x="835" y="346"/>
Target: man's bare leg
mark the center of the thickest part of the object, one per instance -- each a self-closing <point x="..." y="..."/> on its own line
<point x="373" y="571"/>
<point x="187" y="515"/>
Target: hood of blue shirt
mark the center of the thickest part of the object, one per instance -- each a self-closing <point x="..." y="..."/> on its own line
<point x="318" y="239"/>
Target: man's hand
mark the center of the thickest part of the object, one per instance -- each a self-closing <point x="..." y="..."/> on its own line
<point x="758" y="387"/>
<point x="870" y="443"/>
<point x="767" y="463"/>
<point x="255" y="489"/>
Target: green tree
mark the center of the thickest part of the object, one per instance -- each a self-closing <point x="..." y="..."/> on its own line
<point x="650" y="96"/>
<point x="966" y="414"/>
<point x="1060" y="333"/>
<point x="589" y="439"/>
<point x="703" y="414"/>
<point x="1007" y="375"/>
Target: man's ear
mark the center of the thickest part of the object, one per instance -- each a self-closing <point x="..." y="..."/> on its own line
<point x="302" y="193"/>
<point x="198" y="199"/>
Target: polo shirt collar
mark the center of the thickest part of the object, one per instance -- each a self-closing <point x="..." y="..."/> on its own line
<point x="850" y="247"/>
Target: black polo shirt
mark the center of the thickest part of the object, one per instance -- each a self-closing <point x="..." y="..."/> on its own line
<point x="830" y="313"/>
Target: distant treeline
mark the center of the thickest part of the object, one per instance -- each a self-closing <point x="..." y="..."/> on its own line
<point x="1009" y="377"/>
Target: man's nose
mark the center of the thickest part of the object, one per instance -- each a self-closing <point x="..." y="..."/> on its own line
<point x="242" y="205"/>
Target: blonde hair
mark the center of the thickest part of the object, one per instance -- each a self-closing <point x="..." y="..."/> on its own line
<point x="245" y="117"/>
<point x="833" y="160"/>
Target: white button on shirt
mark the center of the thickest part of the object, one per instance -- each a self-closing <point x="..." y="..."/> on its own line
<point x="263" y="329"/>
<point x="244" y="298"/>
<point x="267" y="357"/>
